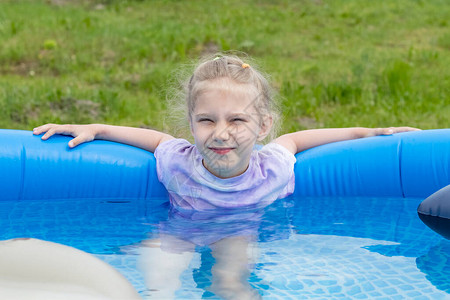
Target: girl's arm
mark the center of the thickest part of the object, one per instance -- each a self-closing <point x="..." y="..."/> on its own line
<point x="146" y="139"/>
<point x="302" y="140"/>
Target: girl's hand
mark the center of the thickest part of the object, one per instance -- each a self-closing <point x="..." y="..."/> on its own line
<point x="81" y="133"/>
<point x="388" y="131"/>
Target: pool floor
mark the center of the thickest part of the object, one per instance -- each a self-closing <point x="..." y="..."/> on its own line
<point x="307" y="248"/>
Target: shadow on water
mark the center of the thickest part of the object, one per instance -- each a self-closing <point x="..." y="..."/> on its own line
<point x="436" y="265"/>
<point x="104" y="227"/>
<point x="383" y="219"/>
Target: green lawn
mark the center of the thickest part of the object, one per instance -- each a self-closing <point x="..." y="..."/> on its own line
<point x="334" y="63"/>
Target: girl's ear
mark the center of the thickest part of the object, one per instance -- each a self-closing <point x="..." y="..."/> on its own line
<point x="266" y="126"/>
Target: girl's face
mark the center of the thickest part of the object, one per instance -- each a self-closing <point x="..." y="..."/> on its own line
<point x="226" y="126"/>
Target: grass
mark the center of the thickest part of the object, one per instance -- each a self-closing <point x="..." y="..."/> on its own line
<point x="334" y="63"/>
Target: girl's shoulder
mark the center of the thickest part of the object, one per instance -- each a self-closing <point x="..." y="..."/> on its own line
<point x="173" y="145"/>
<point x="176" y="150"/>
<point x="274" y="158"/>
<point x="277" y="150"/>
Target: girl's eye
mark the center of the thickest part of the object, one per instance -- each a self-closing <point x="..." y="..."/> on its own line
<point x="237" y="120"/>
<point x="204" y="120"/>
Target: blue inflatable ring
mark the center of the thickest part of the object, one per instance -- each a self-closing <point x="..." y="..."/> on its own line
<point x="412" y="164"/>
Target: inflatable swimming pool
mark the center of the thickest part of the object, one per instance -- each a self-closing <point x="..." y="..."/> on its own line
<point x="413" y="164"/>
<point x="86" y="188"/>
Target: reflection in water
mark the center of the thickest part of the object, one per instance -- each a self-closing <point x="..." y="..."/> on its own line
<point x="230" y="235"/>
<point x="436" y="265"/>
<point x="308" y="248"/>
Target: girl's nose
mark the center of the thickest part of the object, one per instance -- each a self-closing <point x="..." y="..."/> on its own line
<point x="222" y="132"/>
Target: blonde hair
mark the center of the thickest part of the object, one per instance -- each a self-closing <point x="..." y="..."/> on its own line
<point x="234" y="68"/>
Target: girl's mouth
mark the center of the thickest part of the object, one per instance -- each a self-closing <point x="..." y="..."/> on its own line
<point x="221" y="151"/>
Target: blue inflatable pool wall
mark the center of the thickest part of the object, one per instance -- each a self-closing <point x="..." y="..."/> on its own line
<point x="413" y="164"/>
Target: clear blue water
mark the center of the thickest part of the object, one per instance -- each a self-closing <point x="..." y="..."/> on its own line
<point x="308" y="248"/>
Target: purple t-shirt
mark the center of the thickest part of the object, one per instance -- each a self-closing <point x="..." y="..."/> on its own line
<point x="179" y="166"/>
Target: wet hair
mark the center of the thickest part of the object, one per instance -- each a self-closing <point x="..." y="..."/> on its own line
<point x="232" y="67"/>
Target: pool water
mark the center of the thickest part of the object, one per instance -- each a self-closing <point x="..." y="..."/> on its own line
<point x="308" y="248"/>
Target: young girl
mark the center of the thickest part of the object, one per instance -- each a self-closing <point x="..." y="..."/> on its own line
<point x="230" y="108"/>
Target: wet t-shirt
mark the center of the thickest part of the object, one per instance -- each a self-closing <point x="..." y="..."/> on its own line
<point x="269" y="176"/>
